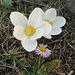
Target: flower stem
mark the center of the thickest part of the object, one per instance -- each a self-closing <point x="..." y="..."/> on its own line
<point x="39" y="60"/>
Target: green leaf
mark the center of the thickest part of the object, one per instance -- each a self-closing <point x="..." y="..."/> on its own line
<point x="36" y="64"/>
<point x="42" y="71"/>
<point x="26" y="11"/>
<point x="24" y="72"/>
<point x="6" y="3"/>
<point x="53" y="65"/>
<point x="42" y="61"/>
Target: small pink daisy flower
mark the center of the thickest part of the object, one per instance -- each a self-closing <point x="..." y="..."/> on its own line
<point x="43" y="51"/>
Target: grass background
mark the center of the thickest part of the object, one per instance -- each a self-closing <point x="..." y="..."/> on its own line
<point x="14" y="60"/>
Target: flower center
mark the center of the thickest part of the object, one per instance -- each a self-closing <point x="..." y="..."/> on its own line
<point x="42" y="48"/>
<point x="29" y="30"/>
<point x="51" y="23"/>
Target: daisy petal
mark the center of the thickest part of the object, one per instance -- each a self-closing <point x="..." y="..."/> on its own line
<point x="35" y="18"/>
<point x="38" y="34"/>
<point x="56" y="30"/>
<point x="50" y="14"/>
<point x="18" y="19"/>
<point x="47" y="28"/>
<point x="59" y="21"/>
<point x="19" y="33"/>
<point x="29" y="45"/>
<point x="48" y="51"/>
<point x="42" y="45"/>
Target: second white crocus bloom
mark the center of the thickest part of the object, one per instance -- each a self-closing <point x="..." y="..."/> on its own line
<point x="28" y="30"/>
<point x="56" y="22"/>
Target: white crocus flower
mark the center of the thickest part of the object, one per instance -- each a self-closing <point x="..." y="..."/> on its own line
<point x="50" y="16"/>
<point x="27" y="30"/>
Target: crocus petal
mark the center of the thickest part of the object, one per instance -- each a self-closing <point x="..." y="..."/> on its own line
<point x="37" y="34"/>
<point x="48" y="36"/>
<point x="50" y="14"/>
<point x="35" y="18"/>
<point x="47" y="28"/>
<point x="29" y="45"/>
<point x="59" y="21"/>
<point x="19" y="33"/>
<point x="18" y="18"/>
<point x="56" y="30"/>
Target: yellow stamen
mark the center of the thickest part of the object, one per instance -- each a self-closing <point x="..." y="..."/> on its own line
<point x="42" y="48"/>
<point x="32" y="28"/>
<point x="29" y="30"/>
<point x="51" y="23"/>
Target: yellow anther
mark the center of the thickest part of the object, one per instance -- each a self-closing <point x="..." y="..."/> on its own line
<point x="51" y="23"/>
<point x="32" y="28"/>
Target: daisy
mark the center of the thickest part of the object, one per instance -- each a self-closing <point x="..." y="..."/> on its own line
<point x="50" y="16"/>
<point x="43" y="51"/>
<point x="28" y="30"/>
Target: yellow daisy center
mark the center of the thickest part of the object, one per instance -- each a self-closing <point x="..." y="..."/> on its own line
<point x="42" y="48"/>
<point x="29" y="30"/>
<point x="51" y="23"/>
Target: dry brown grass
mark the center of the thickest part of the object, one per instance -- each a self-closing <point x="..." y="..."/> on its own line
<point x="63" y="45"/>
